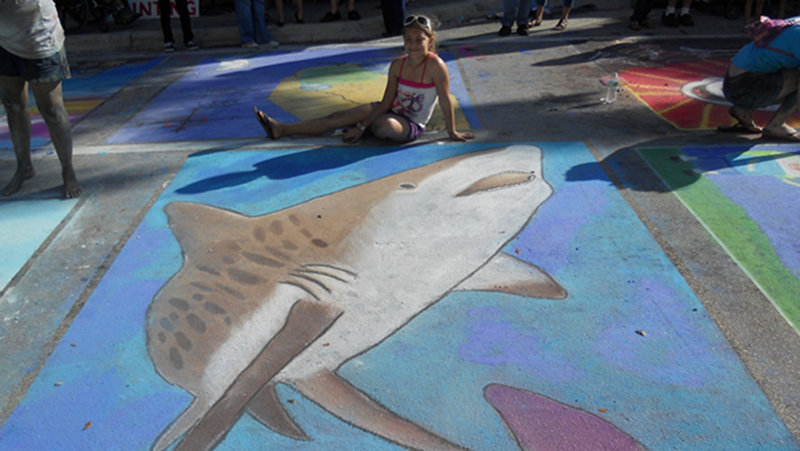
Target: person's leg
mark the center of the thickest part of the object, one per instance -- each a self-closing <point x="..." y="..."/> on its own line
<point x="391" y="127"/>
<point x="262" y="35"/>
<point x="566" y="6"/>
<point x="684" y="17"/>
<point x="298" y="16"/>
<point x="244" y="20"/>
<point x="186" y="21"/>
<point x="509" y="12"/>
<point x="394" y="13"/>
<point x="789" y="96"/>
<point x="14" y="95"/>
<point x="50" y="102"/>
<point x="523" y="10"/>
<point x="165" y="10"/>
<point x="279" y="9"/>
<point x="317" y="126"/>
<point x="640" y="11"/>
<point x="540" y="5"/>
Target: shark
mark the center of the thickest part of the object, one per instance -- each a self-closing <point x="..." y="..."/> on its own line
<point x="290" y="296"/>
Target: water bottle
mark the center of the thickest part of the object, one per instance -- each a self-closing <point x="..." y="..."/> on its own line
<point x="611" y="92"/>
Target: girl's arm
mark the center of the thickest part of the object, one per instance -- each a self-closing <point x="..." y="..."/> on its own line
<point x="354" y="134"/>
<point x="441" y="78"/>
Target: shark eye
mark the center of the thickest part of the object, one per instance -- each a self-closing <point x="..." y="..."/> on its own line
<point x="408" y="186"/>
<point x="498" y="181"/>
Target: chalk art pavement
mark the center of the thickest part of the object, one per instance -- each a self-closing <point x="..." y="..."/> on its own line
<point x="748" y="197"/>
<point x="689" y="95"/>
<point x="87" y="88"/>
<point x="469" y="293"/>
<point x="214" y="100"/>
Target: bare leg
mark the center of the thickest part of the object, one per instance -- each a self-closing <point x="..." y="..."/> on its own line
<point x="390" y="127"/>
<point x="279" y="9"/>
<point x="50" y="102"/>
<point x="14" y="93"/>
<point x="565" y="12"/>
<point x="299" y="15"/>
<point x="320" y="125"/>
<point x="790" y="95"/>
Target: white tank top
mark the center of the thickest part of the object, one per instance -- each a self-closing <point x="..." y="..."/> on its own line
<point x="415" y="100"/>
<point x="30" y="28"/>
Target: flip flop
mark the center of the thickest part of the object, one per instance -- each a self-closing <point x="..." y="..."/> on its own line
<point x="738" y="128"/>
<point x="792" y="137"/>
<point x="262" y="119"/>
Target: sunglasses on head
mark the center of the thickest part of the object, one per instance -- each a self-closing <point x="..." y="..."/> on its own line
<point x="420" y="20"/>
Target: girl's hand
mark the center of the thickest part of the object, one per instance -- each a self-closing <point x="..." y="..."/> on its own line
<point x="455" y="135"/>
<point x="353" y="134"/>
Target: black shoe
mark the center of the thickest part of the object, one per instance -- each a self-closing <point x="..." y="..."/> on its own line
<point x="522" y="30"/>
<point x="280" y="23"/>
<point x="331" y="17"/>
<point x="125" y="16"/>
<point x="686" y="20"/>
<point x="504" y="30"/>
<point x="670" y="20"/>
<point x="353" y="15"/>
<point x="298" y="18"/>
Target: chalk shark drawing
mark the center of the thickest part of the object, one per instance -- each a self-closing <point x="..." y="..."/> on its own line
<point x="290" y="296"/>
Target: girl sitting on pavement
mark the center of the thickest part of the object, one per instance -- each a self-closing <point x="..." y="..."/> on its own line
<point x="415" y="82"/>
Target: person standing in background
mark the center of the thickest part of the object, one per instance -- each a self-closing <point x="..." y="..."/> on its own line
<point x="32" y="54"/>
<point x="165" y="13"/>
<point x="334" y="14"/>
<point x="394" y="13"/>
<point x="251" y="19"/>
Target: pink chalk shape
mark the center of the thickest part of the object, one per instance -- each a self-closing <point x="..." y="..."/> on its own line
<point x="540" y="423"/>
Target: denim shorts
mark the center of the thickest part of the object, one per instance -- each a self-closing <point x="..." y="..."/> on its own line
<point x="753" y="90"/>
<point x="45" y="70"/>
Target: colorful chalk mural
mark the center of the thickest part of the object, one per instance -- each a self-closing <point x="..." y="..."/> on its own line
<point x="215" y="99"/>
<point x="747" y="198"/>
<point x="478" y="360"/>
<point x="87" y="89"/>
<point x="689" y="95"/>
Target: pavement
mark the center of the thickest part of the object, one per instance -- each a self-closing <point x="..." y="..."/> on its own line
<point x="583" y="274"/>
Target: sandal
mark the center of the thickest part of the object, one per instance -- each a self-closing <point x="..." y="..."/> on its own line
<point x="537" y="21"/>
<point x="264" y="121"/>
<point x="739" y="127"/>
<point x="561" y="25"/>
<point x="790" y="136"/>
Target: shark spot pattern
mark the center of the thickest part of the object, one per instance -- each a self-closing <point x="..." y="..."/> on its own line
<point x="174" y="316"/>
<point x="198" y="297"/>
<point x="276" y="228"/>
<point x="262" y="260"/>
<point x="295" y="220"/>
<point x="200" y="285"/>
<point x="213" y="308"/>
<point x="244" y="277"/>
<point x="205" y="268"/>
<point x="180" y="304"/>
<point x="182" y="341"/>
<point x="259" y="234"/>
<point x="228" y="259"/>
<point x="231" y="291"/>
<point x="175" y="358"/>
<point x="280" y="255"/>
<point x="161" y="337"/>
<point x="165" y="324"/>
<point x="289" y="245"/>
<point x="319" y="243"/>
<point x="197" y="324"/>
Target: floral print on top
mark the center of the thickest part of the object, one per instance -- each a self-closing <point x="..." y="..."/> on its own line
<point x="415" y="100"/>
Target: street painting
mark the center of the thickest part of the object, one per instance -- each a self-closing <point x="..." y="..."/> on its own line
<point x="689" y="94"/>
<point x="418" y="282"/>
<point x="215" y="99"/>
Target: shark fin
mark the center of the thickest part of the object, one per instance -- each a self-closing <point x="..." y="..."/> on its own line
<point x="339" y="397"/>
<point x="184" y="218"/>
<point x="267" y="409"/>
<point x="506" y="274"/>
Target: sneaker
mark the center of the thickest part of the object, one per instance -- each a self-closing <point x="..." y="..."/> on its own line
<point x="331" y="17"/>
<point x="670" y="20"/>
<point x="353" y="15"/>
<point x="270" y="44"/>
<point x="522" y="30"/>
<point x="191" y="46"/>
<point x="686" y="20"/>
<point x="169" y="47"/>
<point x="249" y="45"/>
<point x="634" y="25"/>
<point x="504" y="30"/>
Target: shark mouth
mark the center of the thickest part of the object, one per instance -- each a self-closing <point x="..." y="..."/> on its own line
<point x="498" y="181"/>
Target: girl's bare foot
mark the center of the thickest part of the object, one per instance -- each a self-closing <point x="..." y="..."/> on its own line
<point x="269" y="125"/>
<point x="16" y="181"/>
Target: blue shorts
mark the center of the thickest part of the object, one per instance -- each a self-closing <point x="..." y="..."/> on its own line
<point x="45" y="70"/>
